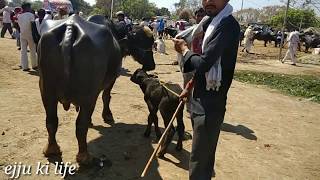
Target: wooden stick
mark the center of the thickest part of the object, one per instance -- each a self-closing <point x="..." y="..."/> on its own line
<point x="161" y="139"/>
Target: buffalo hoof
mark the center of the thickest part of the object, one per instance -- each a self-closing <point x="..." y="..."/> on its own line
<point x="84" y="159"/>
<point x="52" y="150"/>
<point x="108" y="119"/>
<point x="147" y="133"/>
<point x="179" y="147"/>
<point x="158" y="134"/>
<point x="162" y="152"/>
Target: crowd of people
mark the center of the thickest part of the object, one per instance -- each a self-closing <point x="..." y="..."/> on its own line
<point x="23" y="24"/>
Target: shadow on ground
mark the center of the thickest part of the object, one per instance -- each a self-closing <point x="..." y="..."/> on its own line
<point x="128" y="150"/>
<point x="239" y="130"/>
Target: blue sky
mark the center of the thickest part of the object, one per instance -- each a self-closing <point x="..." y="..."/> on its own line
<point x="235" y="3"/>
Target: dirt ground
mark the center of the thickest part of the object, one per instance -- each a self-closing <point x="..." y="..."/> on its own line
<point x="265" y="135"/>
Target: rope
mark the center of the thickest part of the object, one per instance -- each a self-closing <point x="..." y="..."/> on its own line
<point x="162" y="83"/>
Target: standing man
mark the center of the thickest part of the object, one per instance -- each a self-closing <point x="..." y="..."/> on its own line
<point x="196" y="47"/>
<point x="154" y="26"/>
<point x="160" y="27"/>
<point x="248" y="38"/>
<point x="40" y="19"/>
<point x="25" y="20"/>
<point x="6" y="21"/>
<point x="214" y="70"/>
<point x="293" y="41"/>
<point x="278" y="38"/>
<point x="120" y="16"/>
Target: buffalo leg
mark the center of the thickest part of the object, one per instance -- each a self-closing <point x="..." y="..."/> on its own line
<point x="106" y="97"/>
<point x="82" y="124"/>
<point x="50" y="103"/>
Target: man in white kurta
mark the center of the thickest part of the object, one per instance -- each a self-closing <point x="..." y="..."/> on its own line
<point x="24" y="21"/>
<point x="293" y="42"/>
<point x="248" y="37"/>
<point x="6" y="22"/>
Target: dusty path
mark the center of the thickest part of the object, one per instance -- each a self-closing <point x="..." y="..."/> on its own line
<point x="266" y="135"/>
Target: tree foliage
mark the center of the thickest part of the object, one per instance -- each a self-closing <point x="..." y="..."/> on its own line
<point x="163" y="12"/>
<point x="185" y="14"/>
<point x="306" y="17"/>
<point x="81" y="5"/>
<point x="135" y="9"/>
<point x="36" y="5"/>
<point x="15" y="3"/>
<point x="3" y="3"/>
<point x="132" y="8"/>
<point x="262" y="15"/>
<point x="191" y="5"/>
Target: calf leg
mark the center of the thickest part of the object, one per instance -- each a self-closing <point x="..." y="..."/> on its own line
<point x="152" y="118"/>
<point x="166" y="114"/>
<point x="107" y="114"/>
<point x="180" y="129"/>
<point x="50" y="103"/>
<point x="82" y="124"/>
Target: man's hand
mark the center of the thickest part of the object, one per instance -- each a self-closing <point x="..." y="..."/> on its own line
<point x="186" y="92"/>
<point x="180" y="45"/>
<point x="184" y="95"/>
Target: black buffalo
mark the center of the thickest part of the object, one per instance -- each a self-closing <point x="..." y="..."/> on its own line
<point x="266" y="37"/>
<point x="170" y="31"/>
<point x="77" y="60"/>
<point x="309" y="41"/>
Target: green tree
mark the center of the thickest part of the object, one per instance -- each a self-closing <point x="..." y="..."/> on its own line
<point x="185" y="14"/>
<point x="15" y="3"/>
<point x="136" y="9"/>
<point x="163" y="12"/>
<point x="3" y="3"/>
<point x="102" y="7"/>
<point x="296" y="17"/>
<point x="81" y="5"/>
<point x="36" y="5"/>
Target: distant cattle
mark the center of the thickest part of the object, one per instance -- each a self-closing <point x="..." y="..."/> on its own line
<point x="77" y="60"/>
<point x="265" y="36"/>
<point x="170" y="31"/>
<point x="310" y="41"/>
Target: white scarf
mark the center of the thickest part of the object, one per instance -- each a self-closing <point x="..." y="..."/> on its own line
<point x="214" y="76"/>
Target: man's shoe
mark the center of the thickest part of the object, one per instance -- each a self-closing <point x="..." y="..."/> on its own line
<point x="35" y="68"/>
<point x="19" y="48"/>
<point x="26" y="69"/>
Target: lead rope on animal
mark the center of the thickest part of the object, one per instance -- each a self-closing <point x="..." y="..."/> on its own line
<point x="189" y="86"/>
<point x="162" y="83"/>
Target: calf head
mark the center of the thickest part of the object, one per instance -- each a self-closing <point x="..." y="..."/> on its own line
<point x="138" y="76"/>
